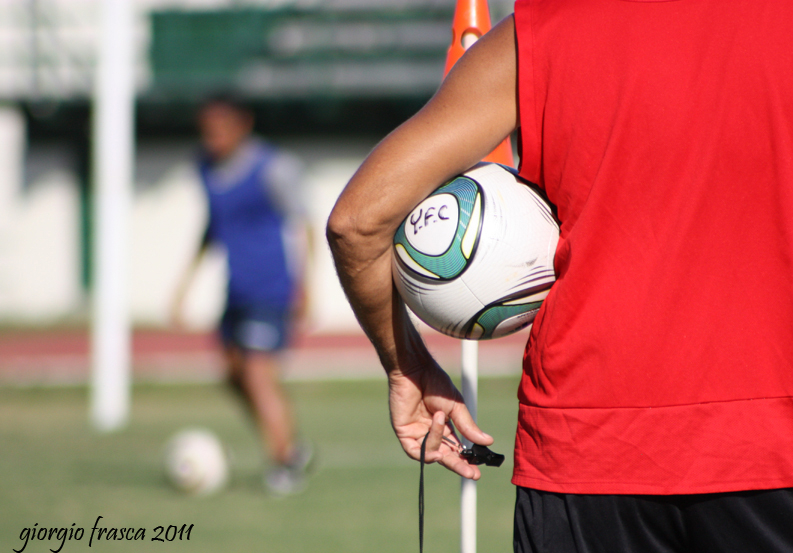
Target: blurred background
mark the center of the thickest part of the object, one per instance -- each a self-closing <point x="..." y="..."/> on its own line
<point x="327" y="79"/>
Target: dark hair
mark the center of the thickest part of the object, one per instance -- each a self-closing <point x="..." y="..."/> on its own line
<point x="229" y="99"/>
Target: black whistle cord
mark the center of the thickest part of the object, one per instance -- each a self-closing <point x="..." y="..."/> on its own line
<point x="421" y="494"/>
<point x="476" y="455"/>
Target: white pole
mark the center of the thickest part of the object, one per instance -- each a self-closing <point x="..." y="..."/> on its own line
<point x="113" y="144"/>
<point x="470" y="384"/>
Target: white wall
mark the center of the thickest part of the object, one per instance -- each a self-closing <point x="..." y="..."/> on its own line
<point x="39" y="233"/>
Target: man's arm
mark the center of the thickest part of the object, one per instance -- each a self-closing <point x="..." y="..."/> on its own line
<point x="284" y="181"/>
<point x="186" y="279"/>
<point x="475" y="108"/>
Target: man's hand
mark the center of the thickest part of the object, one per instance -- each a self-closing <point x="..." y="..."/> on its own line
<point x="427" y="400"/>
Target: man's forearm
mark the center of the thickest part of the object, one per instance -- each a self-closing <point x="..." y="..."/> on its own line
<point x="365" y="274"/>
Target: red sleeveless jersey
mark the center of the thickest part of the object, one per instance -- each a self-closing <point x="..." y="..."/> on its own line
<point x="662" y="360"/>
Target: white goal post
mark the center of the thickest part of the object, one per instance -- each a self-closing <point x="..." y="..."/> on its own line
<point x="112" y="150"/>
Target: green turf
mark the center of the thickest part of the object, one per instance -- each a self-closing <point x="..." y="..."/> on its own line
<point x="363" y="497"/>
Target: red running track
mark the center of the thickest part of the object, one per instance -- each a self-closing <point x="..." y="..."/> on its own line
<point x="62" y="356"/>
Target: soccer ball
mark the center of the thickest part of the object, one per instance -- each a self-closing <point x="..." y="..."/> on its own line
<point x="195" y="462"/>
<point x="475" y="259"/>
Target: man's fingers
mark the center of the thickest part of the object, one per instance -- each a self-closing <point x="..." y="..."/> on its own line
<point x="411" y="440"/>
<point x="457" y="464"/>
<point x="435" y="437"/>
<point x="467" y="427"/>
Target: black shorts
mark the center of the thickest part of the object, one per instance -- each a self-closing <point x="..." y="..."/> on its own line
<point x="740" y="522"/>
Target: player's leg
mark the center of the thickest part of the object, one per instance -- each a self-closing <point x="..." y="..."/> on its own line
<point x="273" y="411"/>
<point x="262" y="385"/>
<point x="232" y="353"/>
<point x="742" y="522"/>
<point x="235" y="365"/>
<point x="548" y="522"/>
<point x="257" y="336"/>
<point x="254" y="377"/>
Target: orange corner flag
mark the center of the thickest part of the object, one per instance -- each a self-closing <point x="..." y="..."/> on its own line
<point x="471" y="21"/>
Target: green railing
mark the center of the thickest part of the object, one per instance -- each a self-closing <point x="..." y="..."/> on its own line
<point x="290" y="53"/>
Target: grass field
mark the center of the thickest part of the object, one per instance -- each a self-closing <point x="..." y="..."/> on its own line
<point x="55" y="472"/>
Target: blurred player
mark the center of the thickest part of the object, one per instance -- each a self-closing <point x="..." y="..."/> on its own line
<point x="257" y="214"/>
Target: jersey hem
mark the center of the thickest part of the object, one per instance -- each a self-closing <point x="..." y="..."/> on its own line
<point x="713" y="447"/>
<point x="638" y="488"/>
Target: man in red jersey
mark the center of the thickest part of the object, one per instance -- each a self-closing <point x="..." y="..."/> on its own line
<point x="656" y="404"/>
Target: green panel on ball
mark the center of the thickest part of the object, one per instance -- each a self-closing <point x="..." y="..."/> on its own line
<point x="487" y="321"/>
<point x="452" y="262"/>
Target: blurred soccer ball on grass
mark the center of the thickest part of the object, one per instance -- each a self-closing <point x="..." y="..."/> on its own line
<point x="196" y="462"/>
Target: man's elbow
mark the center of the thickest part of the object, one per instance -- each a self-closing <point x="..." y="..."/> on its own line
<point x="344" y="230"/>
<point x="351" y="234"/>
<point x="339" y="228"/>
